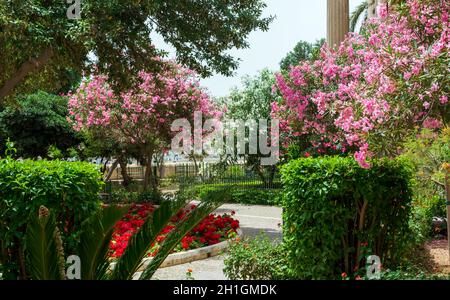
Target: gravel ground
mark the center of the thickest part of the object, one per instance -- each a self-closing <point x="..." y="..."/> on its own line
<point x="253" y="220"/>
<point x="439" y="252"/>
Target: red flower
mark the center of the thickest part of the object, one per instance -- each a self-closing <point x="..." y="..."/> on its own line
<point x="208" y="232"/>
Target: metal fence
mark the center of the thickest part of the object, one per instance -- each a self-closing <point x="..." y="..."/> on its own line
<point x="236" y="175"/>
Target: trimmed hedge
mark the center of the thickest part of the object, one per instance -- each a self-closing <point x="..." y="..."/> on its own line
<point x="336" y="213"/>
<point x="69" y="189"/>
<point x="243" y="194"/>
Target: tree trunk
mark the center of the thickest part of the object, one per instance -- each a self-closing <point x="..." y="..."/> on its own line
<point x="32" y="65"/>
<point x="111" y="170"/>
<point x="149" y="181"/>
<point x="337" y="21"/>
<point x="126" y="179"/>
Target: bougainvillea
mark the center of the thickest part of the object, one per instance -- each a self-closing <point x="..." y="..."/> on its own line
<point x="366" y="95"/>
<point x="212" y="230"/>
<point x="141" y="116"/>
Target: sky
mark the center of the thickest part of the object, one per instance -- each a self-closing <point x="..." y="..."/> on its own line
<point x="295" y="20"/>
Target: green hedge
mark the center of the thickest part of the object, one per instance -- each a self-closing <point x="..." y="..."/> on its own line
<point x="69" y="189"/>
<point x="336" y="213"/>
<point x="243" y="194"/>
<point x="256" y="258"/>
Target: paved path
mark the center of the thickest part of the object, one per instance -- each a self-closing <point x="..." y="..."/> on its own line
<point x="253" y="220"/>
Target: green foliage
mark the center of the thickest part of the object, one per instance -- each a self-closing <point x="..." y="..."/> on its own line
<point x="242" y="194"/>
<point x="42" y="237"/>
<point x="336" y="213"/>
<point x="120" y="195"/>
<point x="151" y="196"/>
<point x="119" y="34"/>
<point x="301" y="52"/>
<point x="94" y="242"/>
<point x="253" y="100"/>
<point x="69" y="189"/>
<point x="256" y="259"/>
<point x="37" y="124"/>
<point x="428" y="151"/>
<point x="360" y="11"/>
<point x="411" y="275"/>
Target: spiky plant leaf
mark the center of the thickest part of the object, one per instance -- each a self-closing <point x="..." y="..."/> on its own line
<point x="357" y="13"/>
<point x="94" y="242"/>
<point x="212" y="201"/>
<point x="137" y="248"/>
<point x="43" y="256"/>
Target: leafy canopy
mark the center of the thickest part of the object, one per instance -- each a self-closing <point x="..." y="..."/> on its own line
<point x="118" y="33"/>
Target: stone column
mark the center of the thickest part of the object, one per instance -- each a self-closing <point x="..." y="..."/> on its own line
<point x="372" y="9"/>
<point x="337" y="21"/>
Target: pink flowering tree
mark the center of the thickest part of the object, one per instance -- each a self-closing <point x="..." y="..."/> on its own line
<point x="140" y="118"/>
<point x="367" y="95"/>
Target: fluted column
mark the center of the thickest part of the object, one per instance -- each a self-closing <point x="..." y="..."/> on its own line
<point x="337" y="21"/>
<point x="372" y="9"/>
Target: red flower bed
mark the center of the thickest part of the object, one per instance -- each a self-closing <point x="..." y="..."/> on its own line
<point x="212" y="230"/>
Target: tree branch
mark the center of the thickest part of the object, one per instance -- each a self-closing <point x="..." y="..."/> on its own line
<point x="32" y="65"/>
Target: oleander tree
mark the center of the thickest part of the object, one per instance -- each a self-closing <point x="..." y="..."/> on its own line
<point x="369" y="94"/>
<point x="141" y="117"/>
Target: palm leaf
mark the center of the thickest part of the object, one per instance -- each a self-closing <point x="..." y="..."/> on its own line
<point x="211" y="200"/>
<point x="357" y="13"/>
<point x="94" y="242"/>
<point x="177" y="234"/>
<point x="131" y="260"/>
<point x="41" y="245"/>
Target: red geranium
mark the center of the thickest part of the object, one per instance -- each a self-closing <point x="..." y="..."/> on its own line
<point x="211" y="230"/>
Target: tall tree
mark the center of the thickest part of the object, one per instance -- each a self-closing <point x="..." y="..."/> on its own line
<point x="36" y="122"/>
<point x="142" y="116"/>
<point x="302" y="51"/>
<point x="38" y="43"/>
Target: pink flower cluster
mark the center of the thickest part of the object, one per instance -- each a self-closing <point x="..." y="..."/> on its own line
<point x="144" y="113"/>
<point x="392" y="77"/>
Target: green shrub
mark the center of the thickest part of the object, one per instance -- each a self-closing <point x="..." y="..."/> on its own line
<point x="256" y="259"/>
<point x="150" y="196"/>
<point x="69" y="189"/>
<point x="243" y="194"/>
<point x="428" y="151"/>
<point x="336" y="213"/>
<point x="422" y="219"/>
<point x="120" y="195"/>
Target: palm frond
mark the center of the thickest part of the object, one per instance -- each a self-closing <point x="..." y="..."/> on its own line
<point x="43" y="255"/>
<point x="94" y="242"/>
<point x="137" y="248"/>
<point x="357" y="13"/>
<point x="211" y="202"/>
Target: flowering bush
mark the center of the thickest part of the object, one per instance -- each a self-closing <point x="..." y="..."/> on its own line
<point x="212" y="230"/>
<point x="142" y="116"/>
<point x="364" y="96"/>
